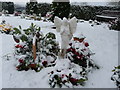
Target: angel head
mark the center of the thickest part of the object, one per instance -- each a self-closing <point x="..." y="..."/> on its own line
<point x="65" y="22"/>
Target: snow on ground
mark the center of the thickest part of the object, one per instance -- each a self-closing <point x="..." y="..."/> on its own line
<point x="102" y="41"/>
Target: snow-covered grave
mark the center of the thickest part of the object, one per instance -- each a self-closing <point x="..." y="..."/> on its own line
<point x="103" y="42"/>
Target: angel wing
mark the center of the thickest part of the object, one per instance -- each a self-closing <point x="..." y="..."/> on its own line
<point x="58" y="23"/>
<point x="73" y="25"/>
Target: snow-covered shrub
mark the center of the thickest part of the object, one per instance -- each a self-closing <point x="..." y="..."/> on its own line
<point x="44" y="8"/>
<point x="116" y="76"/>
<point x="46" y="48"/>
<point x="77" y="65"/>
<point x="66" y="74"/>
<point x="66" y="80"/>
<point x="49" y="49"/>
<point x="79" y="53"/>
<point x="23" y="47"/>
<point x="115" y="25"/>
<point x="32" y="8"/>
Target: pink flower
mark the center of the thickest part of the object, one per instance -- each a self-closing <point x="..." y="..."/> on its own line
<point x="81" y="40"/>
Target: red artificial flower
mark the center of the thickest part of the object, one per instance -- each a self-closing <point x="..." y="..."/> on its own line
<point x="69" y="49"/>
<point x="32" y="65"/>
<point x="86" y="44"/>
<point x="21" y="60"/>
<point x="76" y="39"/>
<point x="80" y="56"/>
<point x="44" y="63"/>
<point x="73" y="80"/>
<point x="76" y="53"/>
<point x="73" y="50"/>
<point x="81" y="40"/>
<point x="19" y="46"/>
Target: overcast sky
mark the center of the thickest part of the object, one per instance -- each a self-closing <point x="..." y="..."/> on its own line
<point x="49" y="1"/>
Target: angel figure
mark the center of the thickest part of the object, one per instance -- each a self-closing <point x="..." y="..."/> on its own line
<point x="66" y="28"/>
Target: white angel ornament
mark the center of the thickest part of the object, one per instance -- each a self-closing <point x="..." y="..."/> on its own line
<point x="66" y="28"/>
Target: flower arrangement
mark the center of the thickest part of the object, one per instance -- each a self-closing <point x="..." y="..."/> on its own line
<point x="46" y="48"/>
<point x="66" y="74"/>
<point x="6" y="28"/>
<point x="66" y="80"/>
<point x="74" y="71"/>
<point x="79" y="52"/>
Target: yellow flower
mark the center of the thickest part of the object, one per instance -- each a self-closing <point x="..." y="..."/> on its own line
<point x="6" y="29"/>
<point x="1" y="25"/>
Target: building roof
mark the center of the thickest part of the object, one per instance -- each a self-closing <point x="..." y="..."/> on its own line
<point x="109" y="17"/>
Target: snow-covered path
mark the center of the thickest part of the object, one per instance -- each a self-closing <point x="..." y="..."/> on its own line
<point x="102" y="41"/>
